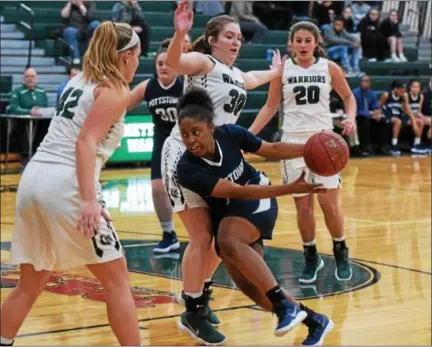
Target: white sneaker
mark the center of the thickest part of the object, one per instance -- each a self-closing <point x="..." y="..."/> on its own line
<point x="372" y="60"/>
<point x="402" y="58"/>
<point x="395" y="58"/>
<point x="76" y="61"/>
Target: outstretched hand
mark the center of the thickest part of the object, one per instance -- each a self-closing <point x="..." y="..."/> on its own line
<point x="302" y="187"/>
<point x="183" y="17"/>
<point x="278" y="63"/>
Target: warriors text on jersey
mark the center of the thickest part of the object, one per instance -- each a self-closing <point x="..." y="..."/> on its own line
<point x="306" y="97"/>
<point x="226" y="88"/>
<point x="58" y="145"/>
<point x="162" y="103"/>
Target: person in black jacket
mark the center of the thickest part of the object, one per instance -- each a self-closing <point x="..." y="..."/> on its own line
<point x="389" y="28"/>
<point x="371" y="39"/>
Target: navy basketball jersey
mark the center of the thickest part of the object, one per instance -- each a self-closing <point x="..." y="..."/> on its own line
<point x="414" y="103"/>
<point x="394" y="104"/>
<point x="162" y="103"/>
<point x="201" y="175"/>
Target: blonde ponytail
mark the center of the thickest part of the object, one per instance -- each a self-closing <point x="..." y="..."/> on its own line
<point x="101" y="60"/>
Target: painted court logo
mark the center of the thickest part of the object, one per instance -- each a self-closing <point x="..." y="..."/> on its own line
<point x="88" y="288"/>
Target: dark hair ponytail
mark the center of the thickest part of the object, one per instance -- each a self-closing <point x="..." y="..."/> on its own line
<point x="196" y="104"/>
<point x="201" y="45"/>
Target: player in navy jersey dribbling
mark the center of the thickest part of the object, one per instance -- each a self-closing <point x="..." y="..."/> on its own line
<point x="243" y="209"/>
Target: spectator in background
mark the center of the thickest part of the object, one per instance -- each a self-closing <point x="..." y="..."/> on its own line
<point x="28" y="99"/>
<point x="187" y="45"/>
<point x="396" y="107"/>
<point x="323" y="12"/>
<point x="389" y="28"/>
<point x="339" y="45"/>
<point x="337" y="108"/>
<point x="427" y="109"/>
<point x="347" y="16"/>
<point x="129" y="11"/>
<point x="249" y="23"/>
<point x="209" y="8"/>
<point x="371" y="39"/>
<point x="71" y="72"/>
<point x="359" y="9"/>
<point x="79" y="24"/>
<point x="371" y="124"/>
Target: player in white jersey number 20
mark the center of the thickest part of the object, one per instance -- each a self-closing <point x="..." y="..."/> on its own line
<point x="305" y="86"/>
<point x="60" y="217"/>
<point x="226" y="85"/>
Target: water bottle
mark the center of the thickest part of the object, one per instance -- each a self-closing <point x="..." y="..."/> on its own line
<point x="269" y="54"/>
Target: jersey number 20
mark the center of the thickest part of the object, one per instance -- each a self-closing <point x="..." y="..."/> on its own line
<point x="71" y="96"/>
<point x="238" y="101"/>
<point x="309" y="95"/>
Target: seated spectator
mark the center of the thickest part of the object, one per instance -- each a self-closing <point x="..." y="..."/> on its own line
<point x="416" y="101"/>
<point x="249" y="23"/>
<point x="359" y="10"/>
<point x="79" y="24"/>
<point x="371" y="123"/>
<point x="71" y="72"/>
<point x="371" y="39"/>
<point x="396" y="108"/>
<point x="209" y="8"/>
<point x="275" y="15"/>
<point x="347" y="16"/>
<point x="337" y="108"/>
<point x="339" y="45"/>
<point x="389" y="28"/>
<point x="323" y="12"/>
<point x="427" y="110"/>
<point x="28" y="99"/>
<point x="129" y="11"/>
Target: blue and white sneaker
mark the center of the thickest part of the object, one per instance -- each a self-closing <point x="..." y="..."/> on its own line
<point x="289" y="315"/>
<point x="318" y="331"/>
<point x="169" y="243"/>
<point x="395" y="151"/>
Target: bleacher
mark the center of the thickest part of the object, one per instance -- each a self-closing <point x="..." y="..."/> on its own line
<point x="46" y="51"/>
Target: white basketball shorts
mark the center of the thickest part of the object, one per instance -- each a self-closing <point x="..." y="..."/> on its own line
<point x="292" y="169"/>
<point x="47" y="211"/>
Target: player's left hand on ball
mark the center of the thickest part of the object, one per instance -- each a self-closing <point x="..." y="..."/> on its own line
<point x="89" y="220"/>
<point x="348" y="127"/>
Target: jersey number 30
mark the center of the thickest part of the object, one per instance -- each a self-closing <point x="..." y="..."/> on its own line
<point x="309" y="95"/>
<point x="71" y="96"/>
<point x="238" y="101"/>
<point x="167" y="115"/>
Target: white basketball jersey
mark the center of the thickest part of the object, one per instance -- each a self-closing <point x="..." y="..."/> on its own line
<point x="306" y="97"/>
<point x="226" y="88"/>
<point x="58" y="145"/>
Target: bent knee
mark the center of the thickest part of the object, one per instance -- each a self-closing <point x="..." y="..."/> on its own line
<point x="227" y="246"/>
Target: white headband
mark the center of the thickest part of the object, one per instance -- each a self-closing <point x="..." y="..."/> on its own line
<point x="132" y="43"/>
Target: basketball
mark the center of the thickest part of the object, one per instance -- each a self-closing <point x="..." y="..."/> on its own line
<point x="326" y="153"/>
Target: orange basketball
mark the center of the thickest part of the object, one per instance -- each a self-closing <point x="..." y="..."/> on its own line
<point x="326" y="153"/>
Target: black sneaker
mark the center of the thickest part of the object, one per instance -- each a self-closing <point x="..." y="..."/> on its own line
<point x="211" y="316"/>
<point x="169" y="243"/>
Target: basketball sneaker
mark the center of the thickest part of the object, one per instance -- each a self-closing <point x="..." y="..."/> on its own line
<point x="169" y="243"/>
<point x="194" y="321"/>
<point x="210" y="315"/>
<point x="343" y="271"/>
<point x="289" y="315"/>
<point x="312" y="264"/>
<point x="318" y="331"/>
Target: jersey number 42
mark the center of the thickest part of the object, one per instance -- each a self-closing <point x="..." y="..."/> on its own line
<point x="68" y="100"/>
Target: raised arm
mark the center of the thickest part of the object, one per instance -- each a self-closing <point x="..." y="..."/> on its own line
<point x="342" y="87"/>
<point x="270" y="108"/>
<point x="138" y="94"/>
<point x="193" y="63"/>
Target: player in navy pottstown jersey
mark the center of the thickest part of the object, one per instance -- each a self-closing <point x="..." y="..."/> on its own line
<point x="243" y="209"/>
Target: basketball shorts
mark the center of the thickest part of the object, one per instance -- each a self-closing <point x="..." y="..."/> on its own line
<point x="47" y="211"/>
<point x="292" y="169"/>
<point x="158" y="141"/>
<point x="180" y="197"/>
